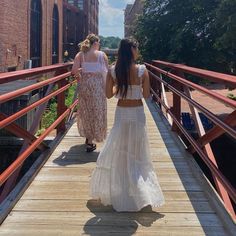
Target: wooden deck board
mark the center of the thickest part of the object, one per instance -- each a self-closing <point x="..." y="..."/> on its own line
<point x="57" y="202"/>
<point x="97" y="230"/>
<point x="54" y="205"/>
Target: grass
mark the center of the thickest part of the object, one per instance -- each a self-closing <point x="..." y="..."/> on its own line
<point x="50" y="115"/>
<point x="232" y="96"/>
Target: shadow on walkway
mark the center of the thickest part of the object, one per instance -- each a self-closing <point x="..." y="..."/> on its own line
<point x="76" y="155"/>
<point x="107" y="220"/>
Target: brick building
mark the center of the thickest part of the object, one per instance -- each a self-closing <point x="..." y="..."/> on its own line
<point x="73" y="27"/>
<point x="37" y="32"/>
<point x="30" y="30"/>
<point x="80" y="19"/>
<point x="132" y="11"/>
<point x="91" y="16"/>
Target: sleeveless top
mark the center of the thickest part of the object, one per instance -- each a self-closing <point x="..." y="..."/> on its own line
<point x="94" y="67"/>
<point x="134" y="92"/>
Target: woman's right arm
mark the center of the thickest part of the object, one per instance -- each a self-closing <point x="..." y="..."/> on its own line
<point x="77" y="65"/>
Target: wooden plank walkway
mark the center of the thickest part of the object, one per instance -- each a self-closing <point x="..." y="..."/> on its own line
<point x="57" y="201"/>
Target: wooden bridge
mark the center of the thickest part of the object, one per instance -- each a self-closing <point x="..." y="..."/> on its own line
<point x="52" y="198"/>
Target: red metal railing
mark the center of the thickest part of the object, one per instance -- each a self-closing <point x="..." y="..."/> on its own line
<point x="60" y="78"/>
<point x="175" y="81"/>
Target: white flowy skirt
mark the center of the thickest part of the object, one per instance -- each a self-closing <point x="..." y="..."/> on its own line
<point x="124" y="176"/>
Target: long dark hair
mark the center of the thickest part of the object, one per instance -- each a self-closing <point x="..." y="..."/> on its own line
<point x="123" y="64"/>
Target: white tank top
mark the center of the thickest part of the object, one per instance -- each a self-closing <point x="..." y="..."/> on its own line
<point x="94" y="67"/>
<point x="134" y="92"/>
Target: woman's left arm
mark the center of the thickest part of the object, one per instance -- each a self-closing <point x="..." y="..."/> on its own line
<point x="106" y="61"/>
<point x="146" y="84"/>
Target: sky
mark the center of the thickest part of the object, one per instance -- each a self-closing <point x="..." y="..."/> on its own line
<point x="111" y="17"/>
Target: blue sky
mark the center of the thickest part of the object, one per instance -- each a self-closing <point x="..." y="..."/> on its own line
<point x="111" y="17"/>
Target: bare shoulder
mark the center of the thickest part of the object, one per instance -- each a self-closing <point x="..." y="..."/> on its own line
<point x="103" y="54"/>
<point x="78" y="55"/>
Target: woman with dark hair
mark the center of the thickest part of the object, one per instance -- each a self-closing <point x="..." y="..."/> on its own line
<point x="89" y="67"/>
<point x="124" y="176"/>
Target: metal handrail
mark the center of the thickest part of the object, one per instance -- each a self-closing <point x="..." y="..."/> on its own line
<point x="62" y="72"/>
<point x="210" y="75"/>
<point x="176" y="74"/>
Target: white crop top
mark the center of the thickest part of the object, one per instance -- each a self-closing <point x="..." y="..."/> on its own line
<point x="134" y="92"/>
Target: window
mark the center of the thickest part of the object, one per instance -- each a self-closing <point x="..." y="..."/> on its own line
<point x="70" y="2"/>
<point x="55" y="35"/>
<point x="35" y="33"/>
<point x="81" y="4"/>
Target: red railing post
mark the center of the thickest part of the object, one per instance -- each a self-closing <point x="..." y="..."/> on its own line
<point x="61" y="99"/>
<point x="176" y="108"/>
<point x="155" y="85"/>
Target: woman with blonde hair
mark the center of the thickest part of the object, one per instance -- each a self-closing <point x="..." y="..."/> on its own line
<point x="90" y="67"/>
<point x="124" y="176"/>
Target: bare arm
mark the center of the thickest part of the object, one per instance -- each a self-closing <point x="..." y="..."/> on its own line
<point x="106" y="61"/>
<point x="109" y="85"/>
<point x="77" y="65"/>
<point x="146" y="84"/>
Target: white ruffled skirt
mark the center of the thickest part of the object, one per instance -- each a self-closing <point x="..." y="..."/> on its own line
<point x="124" y="176"/>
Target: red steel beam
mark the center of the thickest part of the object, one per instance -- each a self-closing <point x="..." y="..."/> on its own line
<point x="185" y="82"/>
<point x="215" y="132"/>
<point x="22" y="74"/>
<point x="23" y="111"/>
<point x="22" y="133"/>
<point x="211" y="75"/>
<point x="230" y="189"/>
<point x="8" y="96"/>
<point x="24" y="155"/>
<point x="223" y="187"/>
<point x="206" y="112"/>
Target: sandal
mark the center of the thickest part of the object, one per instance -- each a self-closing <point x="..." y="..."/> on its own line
<point x="91" y="147"/>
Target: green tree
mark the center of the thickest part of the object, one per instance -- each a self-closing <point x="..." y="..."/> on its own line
<point x="109" y="42"/>
<point x="225" y="26"/>
<point x="199" y="33"/>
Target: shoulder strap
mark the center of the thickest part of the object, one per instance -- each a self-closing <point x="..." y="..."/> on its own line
<point x="100" y="57"/>
<point x="141" y="69"/>
<point x="113" y="74"/>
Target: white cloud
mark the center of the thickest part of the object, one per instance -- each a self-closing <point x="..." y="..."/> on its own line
<point x="128" y="1"/>
<point x="111" y="19"/>
<point x="109" y="14"/>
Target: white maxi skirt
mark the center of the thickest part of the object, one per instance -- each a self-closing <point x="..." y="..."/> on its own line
<point x="124" y="176"/>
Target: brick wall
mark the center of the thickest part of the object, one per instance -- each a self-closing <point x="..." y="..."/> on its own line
<point x="15" y="32"/>
<point x="73" y="29"/>
<point x="132" y="12"/>
<point x="91" y="16"/>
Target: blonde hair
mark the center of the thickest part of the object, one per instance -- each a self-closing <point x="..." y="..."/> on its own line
<point x="88" y="42"/>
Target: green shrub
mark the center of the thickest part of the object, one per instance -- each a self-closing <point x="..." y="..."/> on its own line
<point x="232" y="96"/>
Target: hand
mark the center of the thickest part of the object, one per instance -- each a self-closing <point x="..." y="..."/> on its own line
<point x="78" y="74"/>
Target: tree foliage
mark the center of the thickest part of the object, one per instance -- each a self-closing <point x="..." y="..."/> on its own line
<point x="109" y="42"/>
<point x="199" y="33"/>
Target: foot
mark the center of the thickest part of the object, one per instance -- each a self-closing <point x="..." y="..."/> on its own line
<point x="91" y="147"/>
